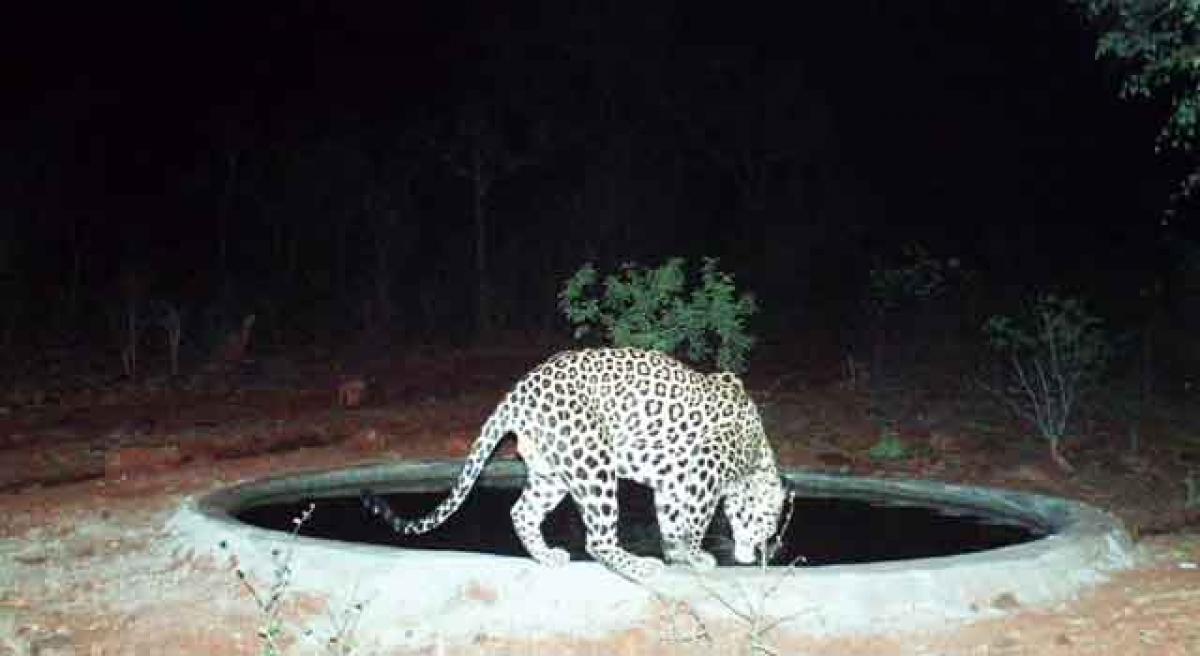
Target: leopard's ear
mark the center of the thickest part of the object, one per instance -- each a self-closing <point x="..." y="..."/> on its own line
<point x="729" y="378"/>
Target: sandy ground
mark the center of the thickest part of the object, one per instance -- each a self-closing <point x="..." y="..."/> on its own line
<point x="84" y="568"/>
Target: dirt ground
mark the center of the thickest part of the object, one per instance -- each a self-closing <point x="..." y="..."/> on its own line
<point x="88" y="479"/>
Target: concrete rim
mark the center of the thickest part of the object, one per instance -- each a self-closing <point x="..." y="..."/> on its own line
<point x="417" y="597"/>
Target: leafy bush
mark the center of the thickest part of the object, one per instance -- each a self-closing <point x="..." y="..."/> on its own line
<point x="1055" y="351"/>
<point x="912" y="302"/>
<point x="918" y="277"/>
<point x="658" y="309"/>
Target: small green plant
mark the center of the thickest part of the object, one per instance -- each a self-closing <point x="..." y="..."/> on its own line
<point x="1191" y="486"/>
<point x="1055" y="352"/>
<point x="661" y="309"/>
<point x="889" y="447"/>
<point x="272" y="632"/>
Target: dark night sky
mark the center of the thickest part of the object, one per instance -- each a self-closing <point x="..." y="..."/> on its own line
<point x="981" y="128"/>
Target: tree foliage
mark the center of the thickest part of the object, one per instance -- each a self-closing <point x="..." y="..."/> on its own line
<point x="1158" y="44"/>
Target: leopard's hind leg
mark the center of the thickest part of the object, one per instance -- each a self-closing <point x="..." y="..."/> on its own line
<point x="541" y="494"/>
<point x="592" y="481"/>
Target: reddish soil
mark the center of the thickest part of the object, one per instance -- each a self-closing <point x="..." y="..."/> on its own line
<point x="86" y="483"/>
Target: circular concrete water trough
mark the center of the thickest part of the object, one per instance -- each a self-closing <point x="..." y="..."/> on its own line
<point x="417" y="597"/>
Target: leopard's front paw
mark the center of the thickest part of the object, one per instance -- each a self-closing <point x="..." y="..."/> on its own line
<point x="701" y="560"/>
<point x="553" y="557"/>
<point x="645" y="567"/>
<point x="692" y="557"/>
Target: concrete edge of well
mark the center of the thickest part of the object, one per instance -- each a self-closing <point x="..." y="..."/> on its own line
<point x="417" y="597"/>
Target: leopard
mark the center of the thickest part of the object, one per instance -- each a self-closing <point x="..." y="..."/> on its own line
<point x="586" y="418"/>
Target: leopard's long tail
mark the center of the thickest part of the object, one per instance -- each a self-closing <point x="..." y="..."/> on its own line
<point x="489" y="438"/>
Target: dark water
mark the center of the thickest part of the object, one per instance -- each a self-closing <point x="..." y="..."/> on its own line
<point x="824" y="531"/>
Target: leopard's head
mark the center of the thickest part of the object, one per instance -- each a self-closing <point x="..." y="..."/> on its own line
<point x="753" y="506"/>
